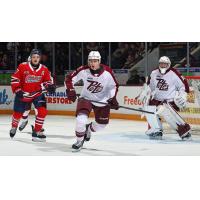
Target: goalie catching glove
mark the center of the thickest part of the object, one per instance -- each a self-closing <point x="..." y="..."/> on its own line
<point x="181" y="99"/>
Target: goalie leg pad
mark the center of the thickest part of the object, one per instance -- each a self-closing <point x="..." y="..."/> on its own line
<point x="153" y="120"/>
<point x="175" y="121"/>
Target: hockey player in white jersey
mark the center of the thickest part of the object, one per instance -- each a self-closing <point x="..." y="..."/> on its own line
<point x="99" y="85"/>
<point x="165" y="93"/>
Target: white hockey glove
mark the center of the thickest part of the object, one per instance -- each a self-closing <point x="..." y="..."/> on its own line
<point x="144" y="95"/>
<point x="180" y="99"/>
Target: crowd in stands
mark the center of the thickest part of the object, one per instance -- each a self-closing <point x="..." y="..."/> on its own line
<point x="123" y="55"/>
<point x="7" y="56"/>
<point x="126" y="55"/>
<point x="68" y="56"/>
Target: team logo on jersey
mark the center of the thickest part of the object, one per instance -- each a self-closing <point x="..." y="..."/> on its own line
<point x="162" y="84"/>
<point x="33" y="79"/>
<point x="42" y="73"/>
<point x="94" y="87"/>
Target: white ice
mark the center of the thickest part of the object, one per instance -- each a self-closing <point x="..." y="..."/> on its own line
<point x="120" y="138"/>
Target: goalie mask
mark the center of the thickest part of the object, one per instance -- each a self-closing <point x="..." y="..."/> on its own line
<point x="164" y="64"/>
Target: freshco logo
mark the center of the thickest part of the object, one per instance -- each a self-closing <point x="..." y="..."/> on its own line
<point x="131" y="101"/>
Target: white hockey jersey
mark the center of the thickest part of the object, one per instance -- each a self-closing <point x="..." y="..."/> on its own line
<point x="165" y="86"/>
<point x="99" y="87"/>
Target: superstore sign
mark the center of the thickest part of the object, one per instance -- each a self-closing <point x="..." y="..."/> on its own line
<point x="58" y="98"/>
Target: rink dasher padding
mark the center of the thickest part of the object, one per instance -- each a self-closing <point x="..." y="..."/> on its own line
<point x="58" y="104"/>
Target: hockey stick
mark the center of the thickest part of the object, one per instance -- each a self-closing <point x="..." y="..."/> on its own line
<point x="78" y="95"/>
<point x="124" y="107"/>
<point x="31" y="94"/>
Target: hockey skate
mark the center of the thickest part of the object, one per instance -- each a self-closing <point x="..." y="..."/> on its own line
<point x="77" y="146"/>
<point x="87" y="133"/>
<point x="188" y="137"/>
<point x="42" y="130"/>
<point x="38" y="136"/>
<point x="13" y="132"/>
<point x="23" y="125"/>
<point x="154" y="134"/>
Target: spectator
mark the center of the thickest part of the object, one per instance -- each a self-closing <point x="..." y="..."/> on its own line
<point x="130" y="62"/>
<point x="4" y="62"/>
<point x="91" y="46"/>
<point x="11" y="46"/>
<point x="1" y="62"/>
<point x="135" y="79"/>
<point x="119" y="55"/>
<point x="127" y="53"/>
<point x="76" y="57"/>
<point x="121" y="50"/>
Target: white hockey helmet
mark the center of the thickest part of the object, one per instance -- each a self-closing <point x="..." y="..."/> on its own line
<point x="94" y="55"/>
<point x="164" y="59"/>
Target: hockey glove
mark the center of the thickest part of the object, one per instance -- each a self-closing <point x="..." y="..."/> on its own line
<point x="180" y="99"/>
<point x="113" y="103"/>
<point x="19" y="94"/>
<point x="51" y="88"/>
<point x="71" y="94"/>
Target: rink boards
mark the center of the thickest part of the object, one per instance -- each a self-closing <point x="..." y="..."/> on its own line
<point x="59" y="104"/>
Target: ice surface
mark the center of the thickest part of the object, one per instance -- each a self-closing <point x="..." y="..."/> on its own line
<point x="121" y="137"/>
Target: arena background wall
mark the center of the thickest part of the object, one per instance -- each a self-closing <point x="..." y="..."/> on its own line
<point x="58" y="104"/>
